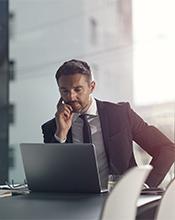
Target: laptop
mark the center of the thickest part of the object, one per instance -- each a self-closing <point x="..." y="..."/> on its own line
<point x="65" y="168"/>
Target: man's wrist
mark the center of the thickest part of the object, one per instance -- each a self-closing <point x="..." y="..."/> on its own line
<point x="61" y="134"/>
<point x="61" y="140"/>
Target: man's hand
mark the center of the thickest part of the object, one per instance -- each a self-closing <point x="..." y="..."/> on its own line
<point x="63" y="118"/>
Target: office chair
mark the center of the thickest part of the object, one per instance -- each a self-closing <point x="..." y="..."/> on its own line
<point x="122" y="201"/>
<point x="166" y="209"/>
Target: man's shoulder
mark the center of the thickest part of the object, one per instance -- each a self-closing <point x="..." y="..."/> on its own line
<point x="113" y="105"/>
<point x="50" y="123"/>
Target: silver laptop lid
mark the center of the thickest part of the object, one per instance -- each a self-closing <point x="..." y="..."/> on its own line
<point x="61" y="167"/>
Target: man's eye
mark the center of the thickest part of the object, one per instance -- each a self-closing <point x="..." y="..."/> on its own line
<point x="78" y="90"/>
<point x="64" y="91"/>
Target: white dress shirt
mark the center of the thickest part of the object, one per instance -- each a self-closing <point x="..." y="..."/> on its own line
<point x="97" y="138"/>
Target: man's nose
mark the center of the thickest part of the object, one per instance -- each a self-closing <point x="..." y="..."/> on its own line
<point x="72" y="95"/>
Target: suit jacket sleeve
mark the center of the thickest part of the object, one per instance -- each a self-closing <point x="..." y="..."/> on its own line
<point x="48" y="130"/>
<point x="156" y="144"/>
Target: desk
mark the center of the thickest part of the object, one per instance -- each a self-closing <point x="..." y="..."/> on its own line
<point x="54" y="206"/>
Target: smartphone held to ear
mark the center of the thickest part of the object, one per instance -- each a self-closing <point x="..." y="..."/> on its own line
<point x="61" y="101"/>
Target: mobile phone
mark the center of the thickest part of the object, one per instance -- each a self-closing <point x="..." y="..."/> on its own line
<point x="61" y="101"/>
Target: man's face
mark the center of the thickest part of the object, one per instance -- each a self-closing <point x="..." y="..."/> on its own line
<point x="75" y="90"/>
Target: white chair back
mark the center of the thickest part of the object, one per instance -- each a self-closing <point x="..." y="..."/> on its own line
<point x="121" y="203"/>
<point x="166" y="209"/>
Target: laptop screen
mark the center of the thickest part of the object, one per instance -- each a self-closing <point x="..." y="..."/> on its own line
<point x="61" y="167"/>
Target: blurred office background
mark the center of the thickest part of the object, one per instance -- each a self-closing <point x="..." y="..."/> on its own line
<point x="128" y="43"/>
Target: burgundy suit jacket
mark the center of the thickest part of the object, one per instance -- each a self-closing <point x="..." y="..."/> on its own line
<point x="120" y="127"/>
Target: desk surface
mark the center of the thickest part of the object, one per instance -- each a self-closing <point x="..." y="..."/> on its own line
<point x="49" y="206"/>
<point x="56" y="206"/>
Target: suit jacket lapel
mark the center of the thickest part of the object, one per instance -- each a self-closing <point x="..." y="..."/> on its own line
<point x="104" y="125"/>
<point x="107" y="124"/>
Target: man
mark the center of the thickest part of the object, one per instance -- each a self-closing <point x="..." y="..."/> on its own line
<point x="113" y="127"/>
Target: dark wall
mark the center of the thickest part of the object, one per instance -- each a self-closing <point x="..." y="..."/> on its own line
<point x="4" y="91"/>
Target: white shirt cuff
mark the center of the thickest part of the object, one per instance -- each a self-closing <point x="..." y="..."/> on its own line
<point x="62" y="141"/>
<point x="146" y="186"/>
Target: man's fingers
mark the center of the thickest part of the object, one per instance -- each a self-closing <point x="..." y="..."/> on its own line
<point x="69" y="107"/>
<point x="67" y="111"/>
<point x="61" y="106"/>
<point x="65" y="107"/>
<point x="64" y="110"/>
<point x="67" y="114"/>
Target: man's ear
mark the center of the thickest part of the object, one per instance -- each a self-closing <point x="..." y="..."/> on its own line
<point x="92" y="85"/>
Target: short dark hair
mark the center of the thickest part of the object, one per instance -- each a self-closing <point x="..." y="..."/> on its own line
<point x="74" y="66"/>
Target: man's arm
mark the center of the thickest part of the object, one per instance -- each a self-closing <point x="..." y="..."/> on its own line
<point x="57" y="129"/>
<point x="155" y="143"/>
<point x="48" y="130"/>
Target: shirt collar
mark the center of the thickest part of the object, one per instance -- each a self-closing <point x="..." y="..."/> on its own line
<point x="92" y="110"/>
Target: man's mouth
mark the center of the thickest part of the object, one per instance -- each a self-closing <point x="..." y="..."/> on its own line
<point x="75" y="105"/>
<point x="72" y="103"/>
